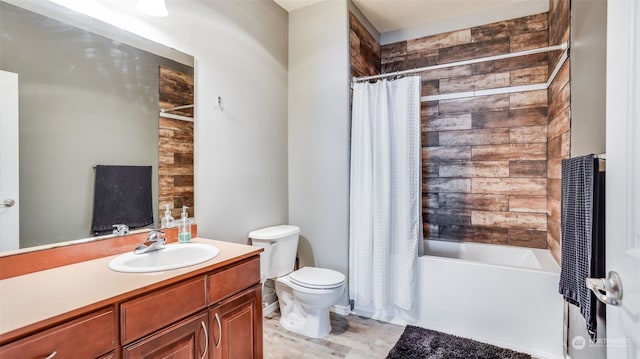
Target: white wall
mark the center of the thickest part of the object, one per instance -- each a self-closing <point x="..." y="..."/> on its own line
<point x="240" y="49"/>
<point x="319" y="132"/>
<point x="241" y="154"/>
<point x="588" y="76"/>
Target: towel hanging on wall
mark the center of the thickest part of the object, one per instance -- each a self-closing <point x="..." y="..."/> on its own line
<point x="583" y="239"/>
<point x="122" y="195"/>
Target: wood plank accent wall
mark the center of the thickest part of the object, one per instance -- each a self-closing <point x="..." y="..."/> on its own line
<point x="559" y="144"/>
<point x="365" y="50"/>
<point x="484" y="158"/>
<point x="175" y="173"/>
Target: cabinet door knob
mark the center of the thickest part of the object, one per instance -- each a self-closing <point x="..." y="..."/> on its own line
<point x="206" y="340"/>
<point x="9" y="203"/>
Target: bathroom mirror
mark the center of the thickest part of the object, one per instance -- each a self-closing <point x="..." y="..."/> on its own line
<point x="88" y="95"/>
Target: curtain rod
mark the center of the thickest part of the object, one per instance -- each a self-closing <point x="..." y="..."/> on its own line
<point x="172" y="109"/>
<point x="563" y="46"/>
<point x="501" y="90"/>
<point x="164" y="113"/>
<point x="176" y="117"/>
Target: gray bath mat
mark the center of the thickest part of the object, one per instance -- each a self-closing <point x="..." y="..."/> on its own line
<point x="420" y="343"/>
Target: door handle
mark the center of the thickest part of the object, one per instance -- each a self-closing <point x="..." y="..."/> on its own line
<point x="7" y="203"/>
<point x="611" y="286"/>
<point x="206" y="340"/>
<point x="219" y="330"/>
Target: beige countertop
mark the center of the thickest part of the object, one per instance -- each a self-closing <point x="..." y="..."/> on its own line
<point x="36" y="297"/>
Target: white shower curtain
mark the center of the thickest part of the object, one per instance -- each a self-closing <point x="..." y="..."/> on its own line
<point x="385" y="196"/>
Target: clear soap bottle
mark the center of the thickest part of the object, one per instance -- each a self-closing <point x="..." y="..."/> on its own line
<point x="167" y="220"/>
<point x="184" y="230"/>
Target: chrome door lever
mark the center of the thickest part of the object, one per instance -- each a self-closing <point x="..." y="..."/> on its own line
<point x="611" y="286"/>
<point x="7" y="203"/>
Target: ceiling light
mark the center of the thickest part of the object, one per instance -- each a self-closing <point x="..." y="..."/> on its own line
<point x="152" y="7"/>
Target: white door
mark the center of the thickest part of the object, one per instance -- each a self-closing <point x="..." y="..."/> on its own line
<point x="623" y="175"/>
<point x="9" y="204"/>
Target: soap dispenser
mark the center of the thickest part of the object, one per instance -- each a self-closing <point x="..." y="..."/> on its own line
<point x="167" y="220"/>
<point x="184" y="232"/>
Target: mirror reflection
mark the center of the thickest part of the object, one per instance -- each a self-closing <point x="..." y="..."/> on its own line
<point x="88" y="100"/>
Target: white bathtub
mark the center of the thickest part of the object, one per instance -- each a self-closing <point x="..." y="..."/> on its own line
<point x="506" y="296"/>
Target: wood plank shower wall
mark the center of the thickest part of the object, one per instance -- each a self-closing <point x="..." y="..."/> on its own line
<point x="175" y="173"/>
<point x="365" y="49"/>
<point x="559" y="133"/>
<point x="485" y="157"/>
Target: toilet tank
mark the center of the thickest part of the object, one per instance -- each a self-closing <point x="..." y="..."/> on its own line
<point x="280" y="245"/>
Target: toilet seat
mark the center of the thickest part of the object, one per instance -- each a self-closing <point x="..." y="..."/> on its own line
<point x="317" y="278"/>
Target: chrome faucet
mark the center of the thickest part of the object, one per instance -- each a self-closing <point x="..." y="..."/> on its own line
<point x="155" y="241"/>
<point x="120" y="229"/>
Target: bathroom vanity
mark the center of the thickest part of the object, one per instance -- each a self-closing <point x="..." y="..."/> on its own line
<point x="85" y="310"/>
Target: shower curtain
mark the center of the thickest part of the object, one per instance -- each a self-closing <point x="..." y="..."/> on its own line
<point x="385" y="234"/>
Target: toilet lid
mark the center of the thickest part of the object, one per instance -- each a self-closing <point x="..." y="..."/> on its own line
<point x="319" y="278"/>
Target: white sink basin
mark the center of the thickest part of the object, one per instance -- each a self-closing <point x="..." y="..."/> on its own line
<point x="173" y="256"/>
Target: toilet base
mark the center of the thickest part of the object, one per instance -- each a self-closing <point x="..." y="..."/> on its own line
<point x="305" y="310"/>
<point x="315" y="325"/>
<point x="301" y="318"/>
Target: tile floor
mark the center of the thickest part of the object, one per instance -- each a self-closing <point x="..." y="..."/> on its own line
<point x="352" y="337"/>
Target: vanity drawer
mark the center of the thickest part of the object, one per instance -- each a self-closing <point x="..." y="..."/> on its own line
<point x="90" y="336"/>
<point x="154" y="311"/>
<point x="230" y="281"/>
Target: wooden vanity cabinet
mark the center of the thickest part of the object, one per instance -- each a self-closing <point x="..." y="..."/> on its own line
<point x="90" y="336"/>
<point x="212" y="312"/>
<point x="228" y="323"/>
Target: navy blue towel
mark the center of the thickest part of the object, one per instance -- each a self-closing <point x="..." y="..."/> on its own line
<point x="122" y="195"/>
<point x="582" y="224"/>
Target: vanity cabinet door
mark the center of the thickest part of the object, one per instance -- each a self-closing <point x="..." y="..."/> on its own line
<point x="90" y="336"/>
<point x="236" y="326"/>
<point x="187" y="339"/>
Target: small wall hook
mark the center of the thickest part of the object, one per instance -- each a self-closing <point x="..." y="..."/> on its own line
<point x="219" y="104"/>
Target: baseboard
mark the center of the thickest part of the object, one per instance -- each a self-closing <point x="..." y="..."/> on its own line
<point x="341" y="309"/>
<point x="270" y="308"/>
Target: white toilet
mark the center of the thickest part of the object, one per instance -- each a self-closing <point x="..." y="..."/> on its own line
<point x="305" y="295"/>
